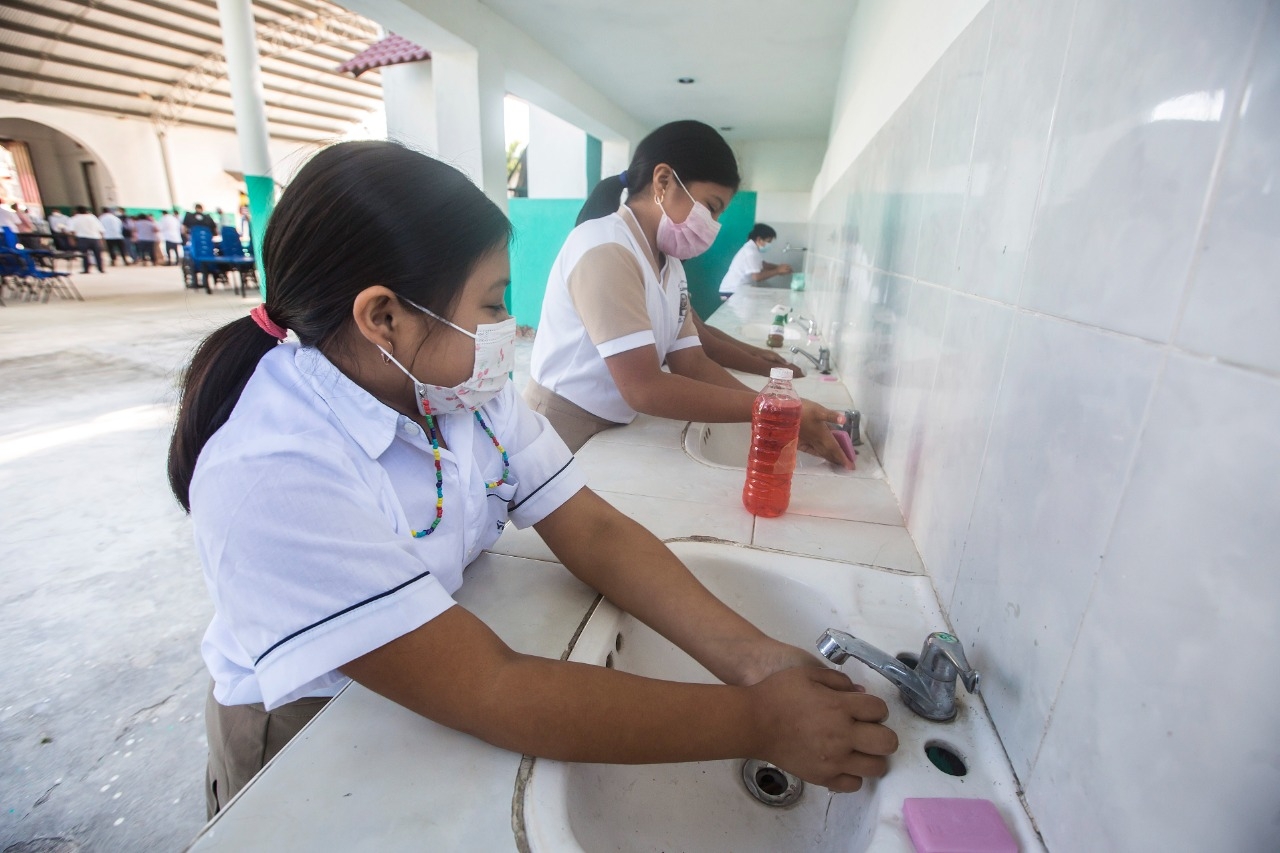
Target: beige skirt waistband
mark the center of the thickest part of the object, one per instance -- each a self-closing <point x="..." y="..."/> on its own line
<point x="574" y="423"/>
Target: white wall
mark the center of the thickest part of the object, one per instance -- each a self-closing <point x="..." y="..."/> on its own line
<point x="779" y="165"/>
<point x="1049" y="282"/>
<point x="891" y="46"/>
<point x="127" y="152"/>
<point x="510" y="61"/>
<point x="130" y="165"/>
<point x="781" y="172"/>
<point x="408" y="96"/>
<point x="557" y="157"/>
<point x="56" y="159"/>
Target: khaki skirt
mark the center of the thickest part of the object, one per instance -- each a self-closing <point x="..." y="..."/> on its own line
<point x="243" y="738"/>
<point x="574" y="423"/>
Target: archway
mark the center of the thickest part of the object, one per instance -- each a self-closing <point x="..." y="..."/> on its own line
<point x="67" y="171"/>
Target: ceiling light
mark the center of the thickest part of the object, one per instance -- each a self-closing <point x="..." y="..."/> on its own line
<point x="685" y="80"/>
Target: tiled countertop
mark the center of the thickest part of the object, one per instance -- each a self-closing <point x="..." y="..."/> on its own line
<point x="368" y="774"/>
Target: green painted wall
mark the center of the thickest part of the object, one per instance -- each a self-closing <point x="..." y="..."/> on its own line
<point x="595" y="153"/>
<point x="542" y="224"/>
<point x="541" y="227"/>
<point x="706" y="271"/>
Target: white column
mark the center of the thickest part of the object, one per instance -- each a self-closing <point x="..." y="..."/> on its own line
<point x="469" y="123"/>
<point x="408" y="95"/>
<point x="557" y="157"/>
<point x="615" y="155"/>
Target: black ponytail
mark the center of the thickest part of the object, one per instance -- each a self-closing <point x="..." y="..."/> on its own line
<point x="604" y="199"/>
<point x="218" y="372"/>
<point x="696" y="151"/>
<point x="357" y="214"/>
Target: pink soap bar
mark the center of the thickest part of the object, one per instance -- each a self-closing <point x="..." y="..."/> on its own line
<point x="956" y="825"/>
<point x="846" y="444"/>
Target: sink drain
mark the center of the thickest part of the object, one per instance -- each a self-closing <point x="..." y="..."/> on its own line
<point x="771" y="785"/>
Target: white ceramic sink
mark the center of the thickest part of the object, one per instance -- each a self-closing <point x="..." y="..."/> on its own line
<point x="725" y="446"/>
<point x="704" y="806"/>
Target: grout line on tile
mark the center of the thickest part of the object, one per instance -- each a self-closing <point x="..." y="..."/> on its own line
<point x="1215" y="173"/>
<point x="982" y="469"/>
<point x="973" y="141"/>
<point x="1102" y="558"/>
<point x="1048" y="150"/>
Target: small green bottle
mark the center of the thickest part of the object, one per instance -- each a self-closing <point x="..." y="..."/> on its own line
<point x="779" y="327"/>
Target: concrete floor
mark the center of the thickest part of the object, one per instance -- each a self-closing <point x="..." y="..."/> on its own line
<point x="103" y="600"/>
<point x="104" y="604"/>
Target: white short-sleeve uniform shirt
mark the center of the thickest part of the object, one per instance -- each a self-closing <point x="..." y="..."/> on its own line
<point x="747" y="262"/>
<point x="605" y="295"/>
<point x="303" y="505"/>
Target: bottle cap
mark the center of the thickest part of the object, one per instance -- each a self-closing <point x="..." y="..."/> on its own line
<point x="781" y="373"/>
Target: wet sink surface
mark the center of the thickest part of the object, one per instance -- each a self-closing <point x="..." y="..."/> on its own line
<point x="705" y="806"/>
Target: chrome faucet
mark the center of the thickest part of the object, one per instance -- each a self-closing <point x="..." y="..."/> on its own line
<point x="822" y="362"/>
<point x="928" y="688"/>
<point x="852" y="426"/>
<point x="811" y="325"/>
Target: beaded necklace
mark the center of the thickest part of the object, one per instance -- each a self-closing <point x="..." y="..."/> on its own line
<point x="435" y="452"/>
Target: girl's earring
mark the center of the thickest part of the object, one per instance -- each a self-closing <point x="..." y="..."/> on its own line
<point x="386" y="359"/>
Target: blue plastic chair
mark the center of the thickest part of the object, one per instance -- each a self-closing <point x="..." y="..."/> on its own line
<point x="233" y="253"/>
<point x="13" y="271"/>
<point x="35" y="277"/>
<point x="204" y="261"/>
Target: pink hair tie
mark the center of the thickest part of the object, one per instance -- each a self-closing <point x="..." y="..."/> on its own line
<point x="259" y="315"/>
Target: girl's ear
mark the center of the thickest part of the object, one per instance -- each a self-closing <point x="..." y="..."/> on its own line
<point x="379" y="315"/>
<point x="662" y="180"/>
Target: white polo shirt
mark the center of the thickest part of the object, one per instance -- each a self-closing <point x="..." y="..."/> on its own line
<point x="86" y="226"/>
<point x="112" y="227"/>
<point x="747" y="262"/>
<point x="170" y="229"/>
<point x="606" y="295"/>
<point x="303" y="504"/>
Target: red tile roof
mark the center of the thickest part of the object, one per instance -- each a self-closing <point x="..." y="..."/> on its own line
<point x="392" y="50"/>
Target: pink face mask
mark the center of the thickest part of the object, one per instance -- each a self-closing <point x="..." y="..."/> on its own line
<point x="688" y="239"/>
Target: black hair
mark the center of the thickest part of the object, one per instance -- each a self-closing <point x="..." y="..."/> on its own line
<point x="357" y="214"/>
<point x="694" y="150"/>
<point x="80" y="208"/>
<point x="760" y="231"/>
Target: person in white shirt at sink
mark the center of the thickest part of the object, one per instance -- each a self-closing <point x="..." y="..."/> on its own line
<point x="616" y="309"/>
<point x="749" y="266"/>
<point x="339" y="487"/>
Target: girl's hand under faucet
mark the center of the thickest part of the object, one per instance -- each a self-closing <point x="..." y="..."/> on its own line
<point x="815" y="435"/>
<point x="817" y="725"/>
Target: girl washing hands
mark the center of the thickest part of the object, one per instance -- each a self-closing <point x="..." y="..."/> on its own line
<point x="339" y="487"/>
<point x="616" y="309"/>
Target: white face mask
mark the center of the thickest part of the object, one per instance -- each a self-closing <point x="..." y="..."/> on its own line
<point x="495" y="356"/>
<point x="688" y="239"/>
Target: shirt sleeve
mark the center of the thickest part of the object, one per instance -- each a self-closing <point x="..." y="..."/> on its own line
<point x="543" y="467"/>
<point x="305" y="566"/>
<point x="754" y="261"/>
<point x="606" y="287"/>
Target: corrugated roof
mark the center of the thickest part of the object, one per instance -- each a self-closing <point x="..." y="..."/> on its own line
<point x="163" y="61"/>
<point x="392" y="50"/>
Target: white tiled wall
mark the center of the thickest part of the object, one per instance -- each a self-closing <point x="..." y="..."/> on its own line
<point x="1052" y="284"/>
